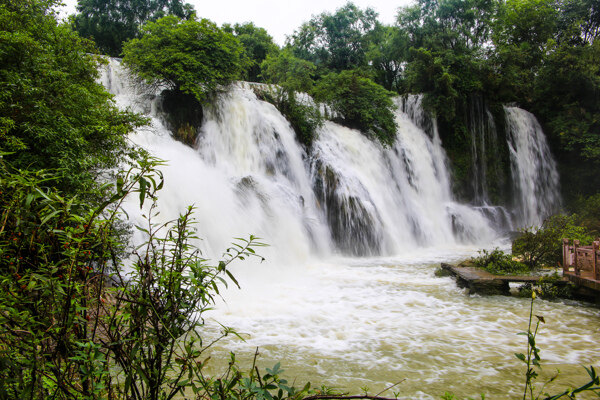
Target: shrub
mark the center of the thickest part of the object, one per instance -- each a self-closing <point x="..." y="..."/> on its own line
<point x="543" y="246"/>
<point x="54" y="253"/>
<point x="65" y="334"/>
<point x="548" y="288"/>
<point x="499" y="263"/>
<point x="304" y="117"/>
<point x="289" y="72"/>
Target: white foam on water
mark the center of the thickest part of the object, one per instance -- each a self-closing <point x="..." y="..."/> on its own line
<point x="348" y="321"/>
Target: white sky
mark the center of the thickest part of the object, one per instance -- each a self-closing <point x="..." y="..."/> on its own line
<point x="279" y="17"/>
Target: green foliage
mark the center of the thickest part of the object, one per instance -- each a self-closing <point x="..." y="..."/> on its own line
<point x="548" y="61"/>
<point x="303" y="115"/>
<point x="337" y="41"/>
<point x="548" y="287"/>
<point x="447" y="57"/>
<point x="52" y="112"/>
<point x="543" y="246"/>
<point x="292" y="75"/>
<point x="588" y="212"/>
<point x="387" y="55"/>
<point x="194" y="57"/>
<point x="159" y="305"/>
<point x="54" y="254"/>
<point x="428" y="74"/>
<point x="359" y="103"/>
<point x="77" y="324"/>
<point x="111" y="23"/>
<point x="289" y="72"/>
<point x="258" y="45"/>
<point x="499" y="263"/>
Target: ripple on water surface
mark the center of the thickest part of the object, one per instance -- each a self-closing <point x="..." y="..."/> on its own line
<point x="374" y="322"/>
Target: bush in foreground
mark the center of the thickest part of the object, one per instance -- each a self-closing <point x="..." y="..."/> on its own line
<point x="542" y="246"/>
<point x="499" y="263"/>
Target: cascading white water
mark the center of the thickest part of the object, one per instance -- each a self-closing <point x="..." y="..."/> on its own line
<point x="533" y="168"/>
<point x="484" y="142"/>
<point x="246" y="176"/>
<point x="249" y="175"/>
<point x="383" y="201"/>
<point x="348" y="322"/>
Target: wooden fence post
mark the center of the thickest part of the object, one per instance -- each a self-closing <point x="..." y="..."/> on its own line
<point x="575" y="263"/>
<point x="595" y="266"/>
<point x="565" y="254"/>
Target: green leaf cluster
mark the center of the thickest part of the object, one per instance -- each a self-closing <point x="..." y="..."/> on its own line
<point x="337" y="41"/>
<point x="359" y="103"/>
<point x="289" y="72"/>
<point x="499" y="263"/>
<point x="543" y="246"/>
<point x="303" y="115"/>
<point x="53" y="114"/>
<point x="110" y="23"/>
<point x="193" y="57"/>
<point x="258" y="46"/>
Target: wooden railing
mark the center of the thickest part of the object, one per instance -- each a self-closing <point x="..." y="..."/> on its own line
<point x="581" y="261"/>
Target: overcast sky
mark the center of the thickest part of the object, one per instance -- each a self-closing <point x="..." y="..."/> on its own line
<point x="278" y="17"/>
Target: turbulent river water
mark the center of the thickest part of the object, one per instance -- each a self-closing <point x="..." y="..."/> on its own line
<point x="347" y="296"/>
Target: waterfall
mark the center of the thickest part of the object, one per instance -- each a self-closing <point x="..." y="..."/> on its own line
<point x="485" y="158"/>
<point x="347" y="194"/>
<point x="535" y="177"/>
<point x="527" y="193"/>
<point x="384" y="201"/>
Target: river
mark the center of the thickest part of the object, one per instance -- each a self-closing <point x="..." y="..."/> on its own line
<point x="380" y="316"/>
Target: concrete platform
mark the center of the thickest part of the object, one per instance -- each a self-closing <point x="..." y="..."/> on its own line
<point x="479" y="281"/>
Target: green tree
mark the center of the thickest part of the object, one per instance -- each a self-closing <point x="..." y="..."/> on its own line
<point x="522" y="34"/>
<point x="336" y="41"/>
<point x="192" y="57"/>
<point x="110" y="23"/>
<point x="360" y="103"/>
<point x="387" y="55"/>
<point x="292" y="75"/>
<point x="448" y="56"/>
<point x="543" y="246"/>
<point x="53" y="114"/>
<point x="258" y="45"/>
<point x="289" y="72"/>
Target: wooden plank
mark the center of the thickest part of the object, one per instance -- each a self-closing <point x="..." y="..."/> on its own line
<point x="565" y="251"/>
<point x="585" y="281"/>
<point x="477" y="280"/>
<point x="595" y="270"/>
<point x="575" y="263"/>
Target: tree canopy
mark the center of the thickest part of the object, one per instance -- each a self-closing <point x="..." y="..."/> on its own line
<point x="336" y="41"/>
<point x="53" y="114"/>
<point x="258" y="45"/>
<point x="110" y="23"/>
<point x="193" y="57"/>
<point x="289" y="72"/>
<point x="360" y="103"/>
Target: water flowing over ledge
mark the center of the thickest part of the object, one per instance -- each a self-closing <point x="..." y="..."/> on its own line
<point x="347" y="194"/>
<point x="346" y="321"/>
